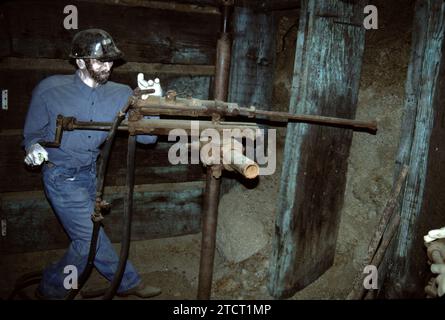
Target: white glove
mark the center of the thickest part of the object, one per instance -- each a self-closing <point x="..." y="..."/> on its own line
<point x="150" y="84"/>
<point x="434" y="234"/>
<point x="36" y="155"/>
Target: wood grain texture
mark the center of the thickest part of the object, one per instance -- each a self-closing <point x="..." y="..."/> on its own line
<point x="326" y="82"/>
<point x="143" y="34"/>
<point x="253" y="58"/>
<point x="163" y="210"/>
<point x="421" y="140"/>
<point x="152" y="166"/>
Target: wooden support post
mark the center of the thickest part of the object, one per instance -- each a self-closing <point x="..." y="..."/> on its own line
<point x="326" y="81"/>
<point x="421" y="145"/>
<point x="253" y="58"/>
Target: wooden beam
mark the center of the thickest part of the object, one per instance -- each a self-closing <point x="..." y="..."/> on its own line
<point x="163" y="210"/>
<point x="422" y="124"/>
<point x="326" y="82"/>
<point x="267" y="6"/>
<point x="253" y="58"/>
<point x="108" y="191"/>
<point x="170" y="5"/>
<point x="144" y="34"/>
<point x="59" y="65"/>
<point x="213" y="3"/>
<point x="152" y="166"/>
<point x="257" y="5"/>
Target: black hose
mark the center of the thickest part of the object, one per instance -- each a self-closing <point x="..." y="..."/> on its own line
<point x="90" y="262"/>
<point x="108" y="144"/>
<point x="126" y="230"/>
<point x="23" y="282"/>
<point x="105" y="155"/>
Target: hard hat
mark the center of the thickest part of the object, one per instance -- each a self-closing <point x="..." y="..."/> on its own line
<point x="94" y="44"/>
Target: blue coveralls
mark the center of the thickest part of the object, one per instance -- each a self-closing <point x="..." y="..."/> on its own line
<point x="70" y="179"/>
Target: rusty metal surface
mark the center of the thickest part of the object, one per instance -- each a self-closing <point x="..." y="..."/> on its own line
<point x="197" y="107"/>
<point x="209" y="225"/>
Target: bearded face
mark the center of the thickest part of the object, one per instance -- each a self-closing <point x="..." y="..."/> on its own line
<point x="98" y="70"/>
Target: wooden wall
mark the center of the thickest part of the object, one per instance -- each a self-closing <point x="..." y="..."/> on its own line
<point x="175" y="41"/>
<point x="161" y="42"/>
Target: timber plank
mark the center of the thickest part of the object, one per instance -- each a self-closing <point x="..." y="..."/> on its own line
<point x="326" y="79"/>
<point x="152" y="166"/>
<point x="143" y="34"/>
<point x="65" y="66"/>
<point x="163" y="210"/>
<point x="421" y="148"/>
<point x="253" y="58"/>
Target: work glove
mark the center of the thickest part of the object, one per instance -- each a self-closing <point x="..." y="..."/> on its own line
<point x="150" y="84"/>
<point x="36" y="155"/>
<point x="435" y="234"/>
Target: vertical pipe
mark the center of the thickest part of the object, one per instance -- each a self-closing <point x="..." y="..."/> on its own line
<point x="211" y="199"/>
<point x="209" y="225"/>
<point x="222" y="67"/>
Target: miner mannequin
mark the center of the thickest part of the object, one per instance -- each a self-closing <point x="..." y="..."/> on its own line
<point x="69" y="172"/>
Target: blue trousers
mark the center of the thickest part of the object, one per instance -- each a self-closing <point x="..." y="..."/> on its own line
<point x="72" y="193"/>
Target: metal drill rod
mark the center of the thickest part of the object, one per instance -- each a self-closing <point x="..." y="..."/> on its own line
<point x="158" y="126"/>
<point x="202" y="108"/>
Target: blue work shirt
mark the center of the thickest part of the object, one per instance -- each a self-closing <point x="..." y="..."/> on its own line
<point x="69" y="96"/>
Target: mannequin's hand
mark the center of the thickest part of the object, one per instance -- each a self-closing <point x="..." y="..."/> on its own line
<point x="36" y="155"/>
<point x="435" y="243"/>
<point x="150" y="84"/>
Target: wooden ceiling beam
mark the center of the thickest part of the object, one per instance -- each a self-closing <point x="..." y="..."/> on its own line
<point x="204" y="6"/>
<point x="179" y="6"/>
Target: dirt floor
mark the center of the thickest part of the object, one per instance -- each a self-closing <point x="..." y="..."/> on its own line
<point x="173" y="263"/>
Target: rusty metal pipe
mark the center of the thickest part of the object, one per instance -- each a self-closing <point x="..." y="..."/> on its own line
<point x="209" y="224"/>
<point x="213" y="182"/>
<point x="197" y="108"/>
<point x="240" y="163"/>
<point x="226" y="15"/>
<point x="222" y="67"/>
<point x="58" y="136"/>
